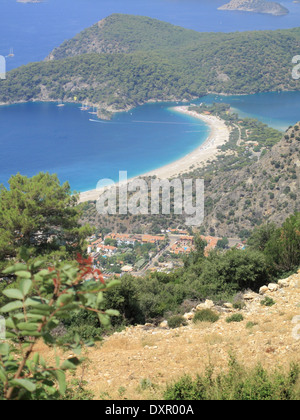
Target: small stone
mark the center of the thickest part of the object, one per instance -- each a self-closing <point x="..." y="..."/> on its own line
<point x="273" y="287"/>
<point x="228" y="305"/>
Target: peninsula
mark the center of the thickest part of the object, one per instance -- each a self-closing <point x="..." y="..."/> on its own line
<point x="256" y="6"/>
<point x="125" y="61"/>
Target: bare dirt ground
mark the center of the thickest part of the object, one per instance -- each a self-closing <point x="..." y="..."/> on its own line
<point x="138" y="363"/>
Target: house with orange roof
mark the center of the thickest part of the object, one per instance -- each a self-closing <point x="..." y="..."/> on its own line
<point x="122" y="238"/>
<point x="152" y="239"/>
<point x="106" y="249"/>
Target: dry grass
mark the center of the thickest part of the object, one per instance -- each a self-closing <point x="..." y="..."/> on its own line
<point x="141" y="362"/>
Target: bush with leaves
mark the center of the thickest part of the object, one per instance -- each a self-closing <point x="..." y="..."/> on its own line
<point x="283" y="248"/>
<point x="267" y="301"/>
<point x="176" y="321"/>
<point x="238" y="384"/>
<point x="42" y="299"/>
<point x="235" y="318"/>
<point x="206" y="315"/>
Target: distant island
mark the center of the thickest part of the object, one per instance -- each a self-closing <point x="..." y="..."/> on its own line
<point x="256" y="6"/>
<point x="29" y="1"/>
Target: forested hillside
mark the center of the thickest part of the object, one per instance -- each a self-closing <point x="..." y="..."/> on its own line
<point x="125" y="61"/>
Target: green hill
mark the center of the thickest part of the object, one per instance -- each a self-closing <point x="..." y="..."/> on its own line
<point x="124" y="61"/>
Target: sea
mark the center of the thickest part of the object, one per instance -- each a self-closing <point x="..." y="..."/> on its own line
<point x="83" y="150"/>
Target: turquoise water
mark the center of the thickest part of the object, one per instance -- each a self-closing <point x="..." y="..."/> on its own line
<point x="42" y="137"/>
<point x="277" y="109"/>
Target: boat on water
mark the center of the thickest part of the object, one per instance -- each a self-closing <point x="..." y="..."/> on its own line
<point x="84" y="107"/>
<point x="60" y="104"/>
<point x="11" y="53"/>
<point x="94" y="112"/>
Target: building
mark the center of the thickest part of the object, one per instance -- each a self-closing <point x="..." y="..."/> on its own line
<point x="122" y="239"/>
<point x="127" y="269"/>
<point x="106" y="249"/>
<point x="149" y="239"/>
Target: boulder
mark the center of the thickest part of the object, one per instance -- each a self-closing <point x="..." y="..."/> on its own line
<point x="164" y="324"/>
<point x="273" y="287"/>
<point x="263" y="290"/>
<point x="208" y="304"/>
<point x="189" y="316"/>
<point x="228" y="305"/>
<point x="283" y="283"/>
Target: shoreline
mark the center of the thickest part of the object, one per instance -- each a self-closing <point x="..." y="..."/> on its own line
<point x="219" y="135"/>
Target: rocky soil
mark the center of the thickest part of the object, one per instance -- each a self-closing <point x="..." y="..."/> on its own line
<point x="138" y="363"/>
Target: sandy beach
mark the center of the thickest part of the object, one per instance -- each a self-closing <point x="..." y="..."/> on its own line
<point x="219" y="135"/>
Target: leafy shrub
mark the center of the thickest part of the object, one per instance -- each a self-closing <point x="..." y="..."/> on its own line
<point x="250" y="325"/>
<point x="267" y="301"/>
<point x="41" y="300"/>
<point x="176" y="321"/>
<point x="239" y="305"/>
<point x="221" y="275"/>
<point x="283" y="248"/>
<point x="76" y="392"/>
<point x="238" y="384"/>
<point x="206" y="315"/>
<point x="235" y="318"/>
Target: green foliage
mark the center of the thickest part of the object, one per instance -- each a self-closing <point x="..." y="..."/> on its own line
<point x="39" y="215"/>
<point x="222" y="243"/>
<point x="43" y="299"/>
<point x="235" y="318"/>
<point x="261" y="236"/>
<point x="267" y="301"/>
<point x="206" y="315"/>
<point x="176" y="321"/>
<point x="250" y="325"/>
<point x="239" y="384"/>
<point x="128" y="60"/>
<point x="76" y="391"/>
<point x="221" y="275"/>
<point x="283" y="248"/>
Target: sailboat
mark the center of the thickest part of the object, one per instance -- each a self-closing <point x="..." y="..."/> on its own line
<point x="61" y="104"/>
<point x="84" y="107"/>
<point x="94" y="112"/>
<point x="11" y="53"/>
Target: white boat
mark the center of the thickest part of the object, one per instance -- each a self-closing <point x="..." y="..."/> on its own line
<point x="84" y="108"/>
<point x="94" y="112"/>
<point x="61" y="104"/>
<point x="11" y="53"/>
